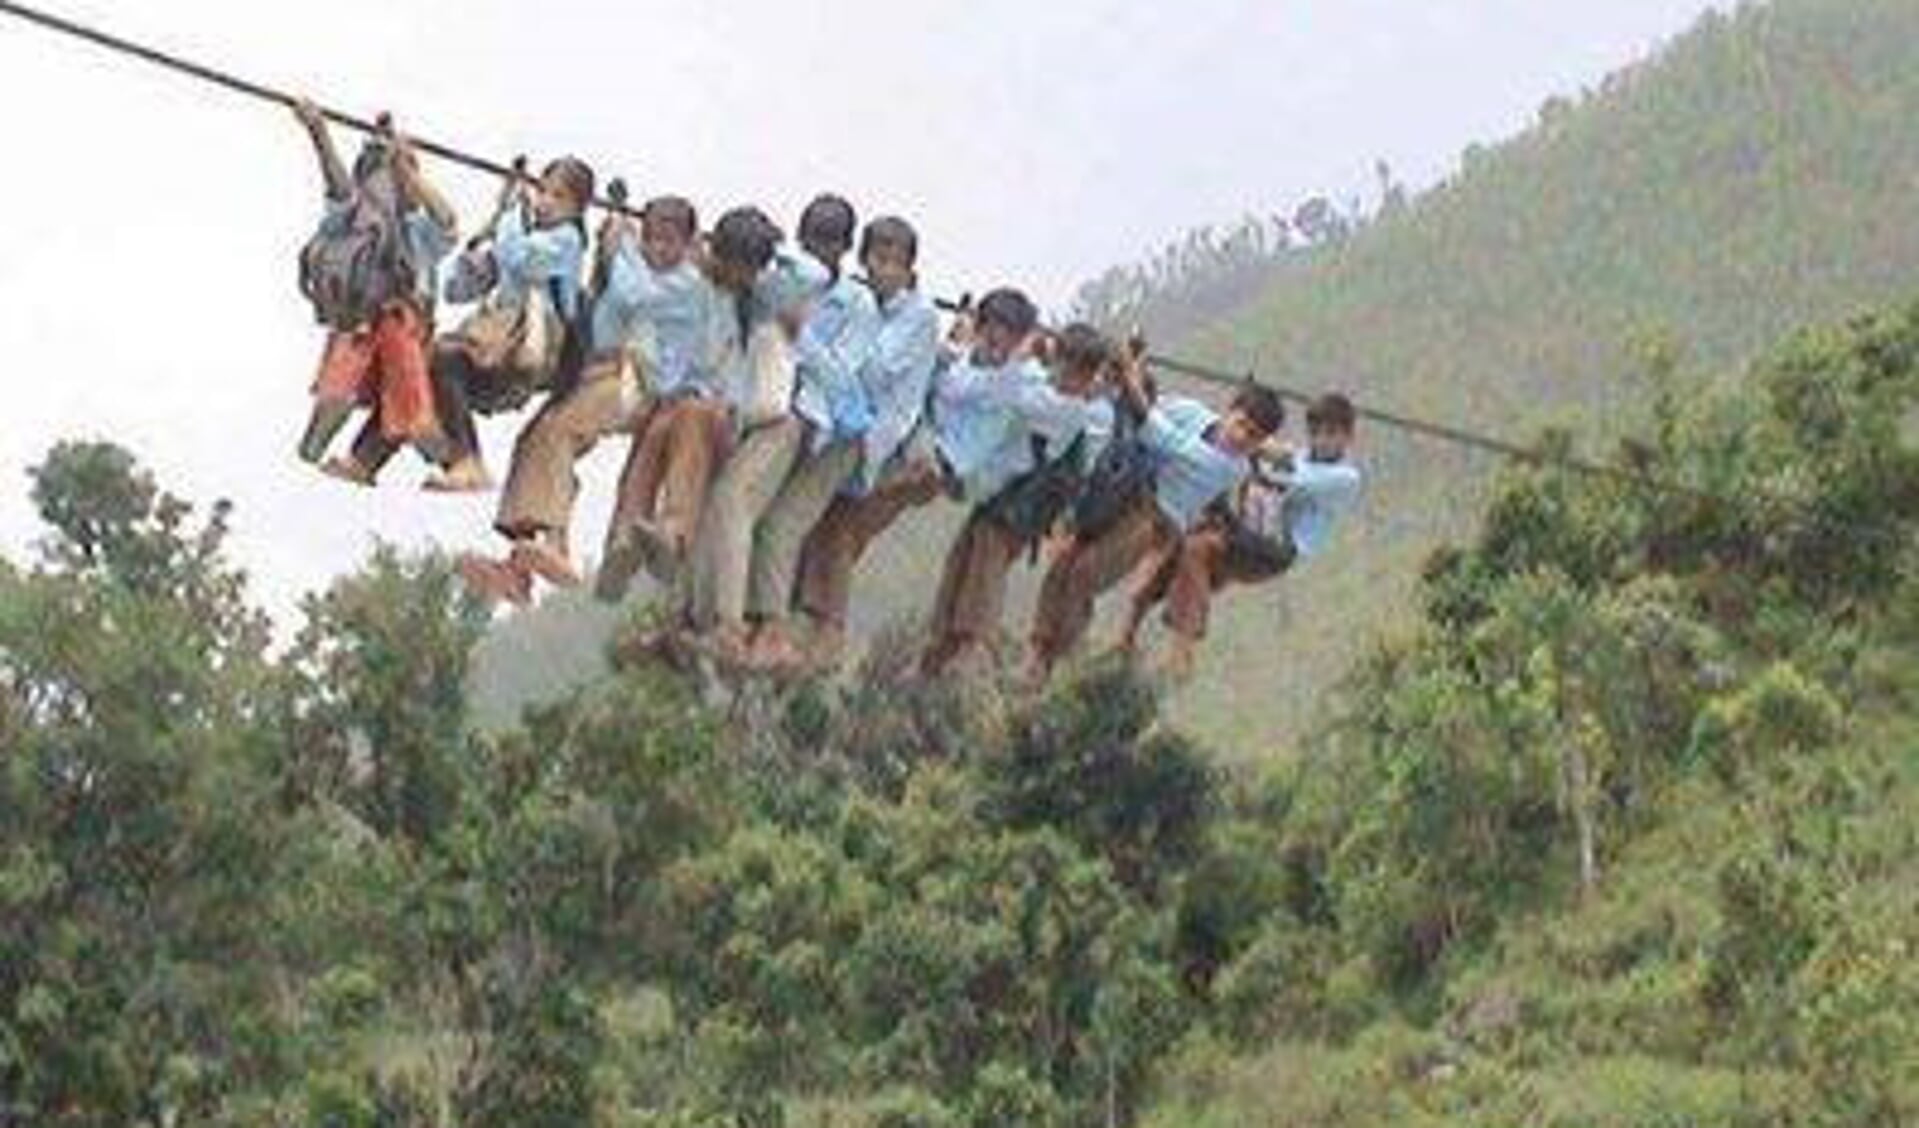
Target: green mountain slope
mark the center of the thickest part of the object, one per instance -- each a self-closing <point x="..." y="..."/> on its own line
<point x="1759" y="173"/>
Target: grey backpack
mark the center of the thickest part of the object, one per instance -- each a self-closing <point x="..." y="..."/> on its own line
<point x="354" y="265"/>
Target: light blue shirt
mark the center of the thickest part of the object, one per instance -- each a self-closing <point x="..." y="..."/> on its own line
<point x="660" y="314"/>
<point x="1317" y="495"/>
<point x="985" y="420"/>
<point x="786" y="287"/>
<point x="833" y="349"/>
<point x="1192" y="472"/>
<point x="428" y="241"/>
<point x="896" y="378"/>
<point x="530" y="260"/>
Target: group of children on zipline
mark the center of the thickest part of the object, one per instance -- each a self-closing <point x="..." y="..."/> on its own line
<point x="783" y="413"/>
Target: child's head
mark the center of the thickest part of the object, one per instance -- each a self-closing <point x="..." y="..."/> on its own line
<point x="889" y="248"/>
<point x="1004" y="319"/>
<point x="826" y="229"/>
<point x="564" y="191"/>
<point x="740" y="247"/>
<point x="1081" y="355"/>
<point x="668" y="226"/>
<point x="1256" y="414"/>
<point x="1330" y="424"/>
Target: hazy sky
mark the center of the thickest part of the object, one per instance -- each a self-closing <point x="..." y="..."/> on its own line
<point x="147" y="279"/>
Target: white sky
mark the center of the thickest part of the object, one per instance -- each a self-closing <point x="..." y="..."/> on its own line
<point x="146" y="272"/>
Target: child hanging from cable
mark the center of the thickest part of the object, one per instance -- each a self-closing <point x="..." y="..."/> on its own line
<point x="832" y="352"/>
<point x="1284" y="512"/>
<point x="771" y="436"/>
<point x="1199" y="456"/>
<point x="525" y="268"/>
<point x="648" y="315"/>
<point x="371" y="271"/>
<point x="890" y="479"/>
<point x="1017" y="437"/>
<point x="680" y="444"/>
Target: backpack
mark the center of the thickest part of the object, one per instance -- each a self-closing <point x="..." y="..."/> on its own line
<point x="351" y="268"/>
<point x="1125" y="471"/>
<point x="1033" y="502"/>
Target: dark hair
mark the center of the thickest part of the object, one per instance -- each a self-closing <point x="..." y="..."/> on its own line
<point x="828" y="221"/>
<point x="1332" y="411"/>
<point x="745" y="237"/>
<point x="674" y="211"/>
<point x="890" y="231"/>
<point x="1008" y="309"/>
<point x="576" y="174"/>
<point x="1262" y="405"/>
<point x="1079" y="347"/>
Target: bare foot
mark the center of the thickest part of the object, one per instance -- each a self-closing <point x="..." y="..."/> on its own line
<point x="347" y="470"/>
<point x="546" y="562"/>
<point x="465" y="476"/>
<point x="495" y="581"/>
<point x="660" y="551"/>
<point x="622" y="562"/>
<point x="774" y="651"/>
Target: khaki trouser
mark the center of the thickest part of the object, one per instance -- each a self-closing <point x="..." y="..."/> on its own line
<point x="834" y="547"/>
<point x="669" y="468"/>
<point x="723" y="546"/>
<point x="1201" y="564"/>
<point x="541" y="485"/>
<point x="802" y="501"/>
<point x="1087" y="568"/>
<point x="972" y="592"/>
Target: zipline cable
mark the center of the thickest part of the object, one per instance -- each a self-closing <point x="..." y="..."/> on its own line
<point x="614" y="202"/>
<point x="229" y="81"/>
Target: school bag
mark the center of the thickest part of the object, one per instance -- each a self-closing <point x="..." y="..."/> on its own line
<point x="1034" y="502"/>
<point x="357" y="263"/>
<point x="1123" y="473"/>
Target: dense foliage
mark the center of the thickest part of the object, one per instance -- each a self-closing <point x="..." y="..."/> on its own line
<point x="1626" y="825"/>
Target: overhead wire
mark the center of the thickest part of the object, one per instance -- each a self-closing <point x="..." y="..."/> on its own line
<point x="614" y="200"/>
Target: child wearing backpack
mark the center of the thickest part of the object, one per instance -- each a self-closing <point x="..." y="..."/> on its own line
<point x="679" y="446"/>
<point x="1019" y="439"/>
<point x="371" y="270"/>
<point x="1199" y="457"/>
<point x="648" y="311"/>
<point x="512" y="345"/>
<point x="1276" y="521"/>
<point x="891" y="479"/>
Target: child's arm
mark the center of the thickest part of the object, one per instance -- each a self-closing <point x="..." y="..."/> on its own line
<point x="339" y="185"/>
<point x="531" y="257"/>
<point x="418" y="190"/>
<point x="836" y="361"/>
<point x="904" y="355"/>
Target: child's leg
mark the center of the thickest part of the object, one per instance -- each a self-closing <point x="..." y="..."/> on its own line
<point x="403" y="385"/>
<point x="1157" y="581"/>
<point x="1086" y="569"/>
<point x="340" y="385"/>
<point x="794" y="513"/>
<point x="975" y="599"/>
<point x="452" y="371"/>
<point x="1198" y="572"/>
<point x="698" y="446"/>
<point x="541" y="486"/>
<point x="722" y="547"/>
<point x="833" y="549"/>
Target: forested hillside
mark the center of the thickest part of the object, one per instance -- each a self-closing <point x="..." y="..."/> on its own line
<point x="1624" y="833"/>
<point x="1760" y="173"/>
